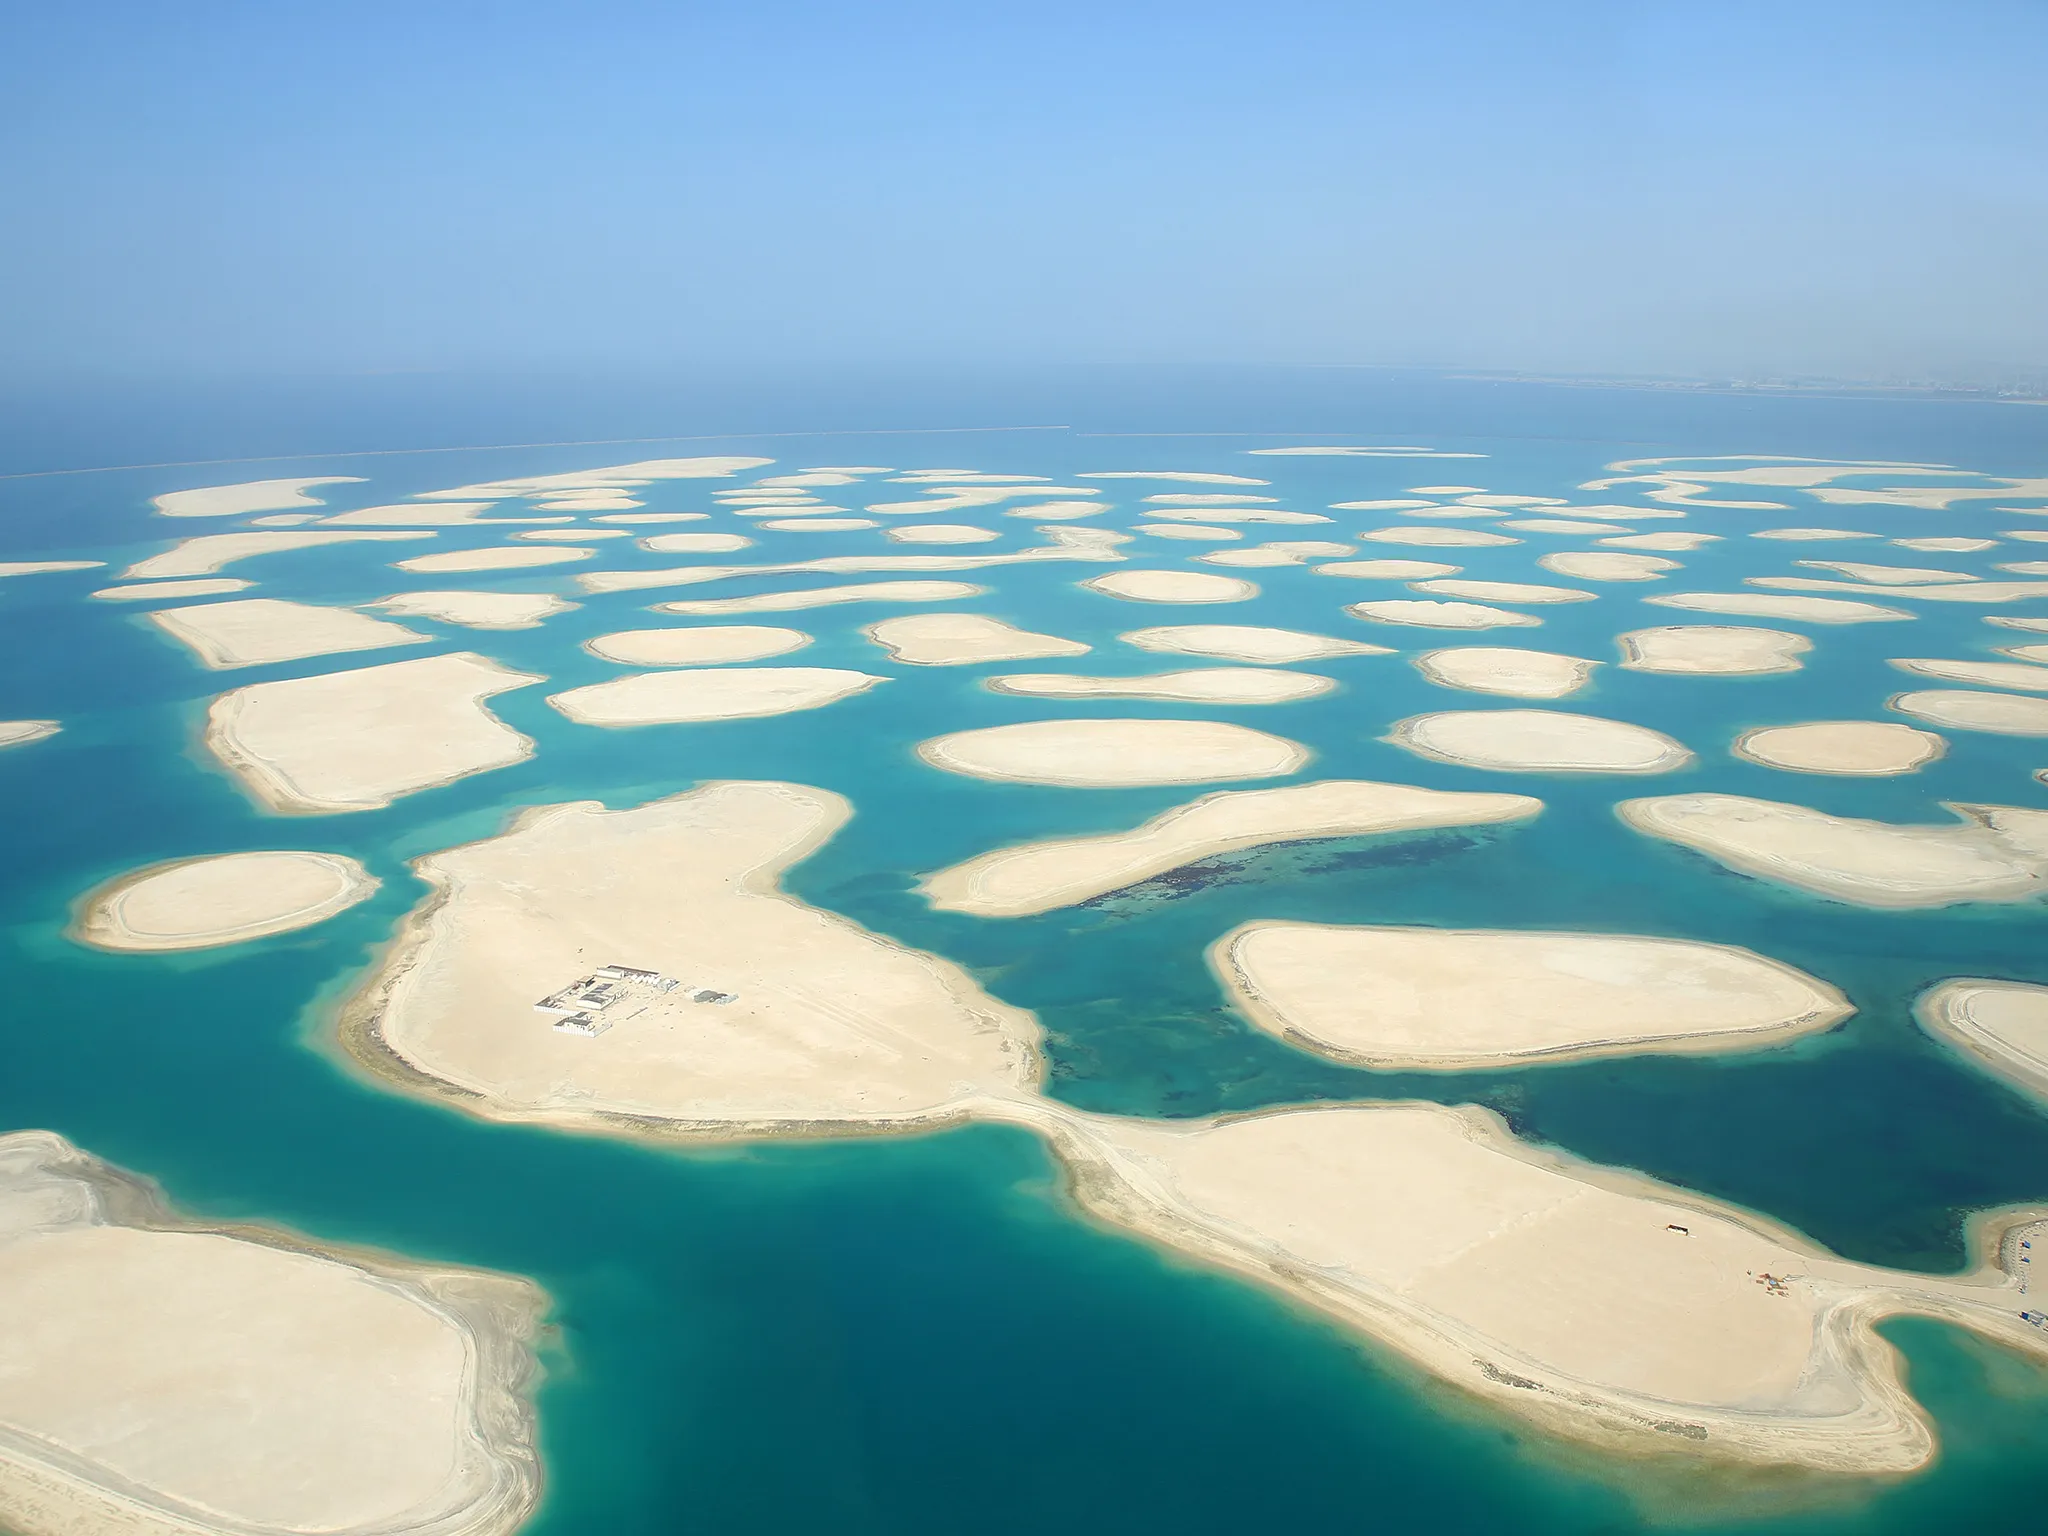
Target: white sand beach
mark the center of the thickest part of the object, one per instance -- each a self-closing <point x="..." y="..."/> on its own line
<point x="356" y="741"/>
<point x="1856" y="748"/>
<point x="1607" y="565"/>
<point x="1999" y="714"/>
<point x="1505" y="670"/>
<point x="1757" y="605"/>
<point x="19" y="733"/>
<point x="165" y="591"/>
<point x="1203" y="685"/>
<point x="695" y="645"/>
<point x="476" y="610"/>
<point x="1437" y="538"/>
<point x="1246" y="642"/>
<point x="825" y="597"/>
<point x="256" y="631"/>
<point x="696" y="543"/>
<point x="503" y="557"/>
<point x="226" y="898"/>
<point x="1429" y="613"/>
<point x="211" y="553"/>
<point x="1538" y="741"/>
<point x="956" y="639"/>
<point x="249" y="496"/>
<point x="1111" y="754"/>
<point x="1988" y="674"/>
<point x="1387" y="570"/>
<point x="1171" y="587"/>
<point x="727" y="693"/>
<point x="2000" y="1025"/>
<point x="1712" y="650"/>
<point x="1030" y="878"/>
<point x="1502" y="591"/>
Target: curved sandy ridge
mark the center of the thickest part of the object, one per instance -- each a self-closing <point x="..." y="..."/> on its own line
<point x="1538" y="741"/>
<point x="2000" y="1025"/>
<point x="957" y="639"/>
<point x="1505" y="670"/>
<point x="1246" y="642"/>
<point x="249" y="496"/>
<point x="1444" y="1000"/>
<point x="687" y="694"/>
<point x="161" y="1377"/>
<point x="1201" y="685"/>
<point x="1862" y="748"/>
<point x="224" y="898"/>
<point x="1037" y="877"/>
<point x="1108" y="754"/>
<point x="1712" y="650"/>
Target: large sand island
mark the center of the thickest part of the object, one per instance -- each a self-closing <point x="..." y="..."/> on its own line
<point x="1438" y="538"/>
<point x="724" y="693"/>
<point x="1538" y="741"/>
<point x="211" y="553"/>
<point x="1996" y="853"/>
<point x="160" y="1377"/>
<point x="1446" y="1000"/>
<point x="1038" y="877"/>
<point x="1434" y="613"/>
<point x="742" y="1011"/>
<point x="225" y="898"/>
<point x="1172" y="587"/>
<point x="957" y="639"/>
<point x="696" y="645"/>
<point x="1858" y="748"/>
<point x="826" y="597"/>
<point x="1712" y="650"/>
<point x="1107" y="754"/>
<point x="1200" y="685"/>
<point x="1505" y="670"/>
<point x="2000" y="1025"/>
<point x="256" y="631"/>
<point x="2000" y="714"/>
<point x="1246" y="642"/>
<point x="1607" y="565"/>
<point x="356" y="741"/>
<point x="476" y="610"/>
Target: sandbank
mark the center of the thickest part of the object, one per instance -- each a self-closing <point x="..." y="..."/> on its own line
<point x="1505" y="670"/>
<point x="164" y="1377"/>
<point x="256" y="631"/>
<point x="1190" y="532"/>
<point x="1202" y="685"/>
<point x="1437" y="537"/>
<point x="1990" y="674"/>
<point x="958" y="498"/>
<point x="1387" y="570"/>
<point x="1552" y="525"/>
<point x="1250" y="516"/>
<point x="1427" y="613"/>
<point x="956" y="639"/>
<point x="19" y="733"/>
<point x="1502" y="591"/>
<point x="1810" y="535"/>
<point x="1997" y="853"/>
<point x="1038" y="877"/>
<point x="1971" y="591"/>
<point x="689" y="695"/>
<point x="1712" y="650"/>
<point x="697" y="646"/>
<point x="787" y="1021"/>
<point x="571" y="535"/>
<point x="824" y="597"/>
<point x="642" y="518"/>
<point x="696" y="543"/>
<point x="1190" y="476"/>
<point x="1538" y="741"/>
<point x="1186" y="499"/>
<point x="2038" y="624"/>
<point x="943" y="533"/>
<point x="1758" y="605"/>
<point x="2001" y="714"/>
<point x="1172" y="587"/>
<point x="1059" y="511"/>
<point x="1662" y="541"/>
<point x="1858" y="748"/>
<point x="1946" y="546"/>
<point x="1397" y="504"/>
<point x="1261" y="557"/>
<point x="590" y="503"/>
<point x="356" y="741"/>
<point x="605" y="482"/>
<point x="432" y="514"/>
<point x="1887" y="575"/>
<point x="205" y="586"/>
<point x="284" y="520"/>
<point x="227" y="898"/>
<point x="1602" y="565"/>
<point x="1087" y="545"/>
<point x="211" y="553"/>
<point x="1447" y="1000"/>
<point x="39" y="567"/>
<point x="2000" y="1025"/>
<point x="249" y="496"/>
<point x="503" y="557"/>
<point x="1246" y="642"/>
<point x="818" y="524"/>
<point x="2025" y="567"/>
<point x="1105" y="754"/>
<point x="2035" y="653"/>
<point x="476" y="610"/>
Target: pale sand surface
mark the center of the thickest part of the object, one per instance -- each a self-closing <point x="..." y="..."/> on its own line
<point x="827" y="1027"/>
<point x="942" y="533"/>
<point x="814" y="477"/>
<point x="476" y="610"/>
<point x="1427" y="613"/>
<point x="39" y="567"/>
<point x="503" y="557"/>
<point x="1487" y="499"/>
<point x="1996" y="853"/>
<point x="1503" y="669"/>
<point x="818" y="524"/>
<point x="1038" y="877"/>
<point x="729" y="693"/>
<point x="1973" y="591"/>
<point x="2001" y="1025"/>
<point x="1946" y="546"/>
<point x="211" y="553"/>
<point x="255" y="631"/>
<point x="1858" y="748"/>
<point x="153" y="590"/>
<point x="961" y="497"/>
<point x="249" y="496"/>
<point x="1091" y="545"/>
<point x="1887" y="575"/>
<point x="1594" y="1301"/>
<point x="1190" y="476"/>
<point x="1250" y="516"/>
<point x="698" y="646"/>
<point x="1810" y="535"/>
<point x="164" y="1378"/>
<point x="1105" y="754"/>
<point x="2025" y="567"/>
<point x="1246" y="642"/>
<point x="2037" y="624"/>
<point x="1171" y="587"/>
<point x="1552" y="525"/>
<point x="643" y="518"/>
<point x="1538" y="741"/>
<point x="1502" y="591"/>
<point x="1203" y="685"/>
<point x="1397" y="504"/>
<point x="19" y="733"/>
<point x="2001" y="714"/>
<point x="824" y="597"/>
<point x="1437" y="537"/>
<point x="1387" y="570"/>
<point x="1447" y="1000"/>
<point x="431" y="514"/>
<point x="1426" y="510"/>
<point x="356" y="741"/>
<point x="1619" y="514"/>
<point x="1717" y="650"/>
<point x="284" y="520"/>
<point x="955" y="639"/>
<point x="603" y="481"/>
<point x="1447" y="490"/>
<point x="1186" y="499"/>
<point x="590" y="503"/>
<point x="1757" y="605"/>
<point x="696" y="543"/>
<point x="572" y="535"/>
<point x="1263" y="557"/>
<point x="1991" y="674"/>
<point x="1059" y="511"/>
<point x="2036" y="653"/>
<point x="223" y="899"/>
<point x="1671" y="541"/>
<point x="1189" y="533"/>
<point x="1605" y="565"/>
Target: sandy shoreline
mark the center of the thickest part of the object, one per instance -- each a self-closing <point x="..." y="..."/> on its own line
<point x="2002" y="1026"/>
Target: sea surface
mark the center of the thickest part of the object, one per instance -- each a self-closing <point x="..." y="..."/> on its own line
<point x="923" y="1334"/>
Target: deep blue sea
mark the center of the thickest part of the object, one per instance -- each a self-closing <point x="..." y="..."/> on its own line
<point x="920" y="1335"/>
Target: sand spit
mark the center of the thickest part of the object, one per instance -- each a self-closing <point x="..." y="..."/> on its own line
<point x="1756" y="605"/>
<point x="1662" y="541"/>
<point x="476" y="610"/>
<point x="1601" y="1305"/>
<point x="1712" y="650"/>
<point x="699" y="646"/>
<point x="1172" y="587"/>
<point x="1856" y="748"/>
<point x="1445" y="538"/>
<point x="1427" y="613"/>
<point x="1601" y="565"/>
<point x="227" y="898"/>
<point x="1038" y="877"/>
<point x="39" y="567"/>
<point x="432" y="514"/>
<point x="688" y="696"/>
<point x="1448" y="1000"/>
<point x="825" y="597"/>
<point x="2000" y="1025"/>
<point x="1203" y="685"/>
<point x="161" y="1377"/>
<point x="1505" y="670"/>
<point x="152" y="591"/>
<point x="787" y="1021"/>
<point x="249" y="496"/>
<point x="2000" y="714"/>
<point x="958" y="639"/>
<point x="1503" y="591"/>
<point x="19" y="733"/>
<point x="696" y="543"/>
<point x="602" y="484"/>
<point x="1998" y="853"/>
<point x="1810" y="535"/>
<point x="1387" y="570"/>
<point x="1538" y="741"/>
<point x="256" y="631"/>
<point x="1989" y="674"/>
<point x="1887" y="575"/>
<point x="942" y="533"/>
<point x="503" y="557"/>
<point x="2037" y="624"/>
<point x="1246" y="642"/>
<point x="818" y="524"/>
<point x="1093" y="545"/>
<point x="211" y="553"/>
<point x="356" y="741"/>
<point x="1113" y="754"/>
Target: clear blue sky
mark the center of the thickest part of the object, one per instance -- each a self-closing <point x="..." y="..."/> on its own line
<point x="1664" y="187"/>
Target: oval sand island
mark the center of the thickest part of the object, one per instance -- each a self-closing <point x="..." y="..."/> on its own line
<point x="1985" y="674"/>
<point x="1712" y="650"/>
<point x="688" y="695"/>
<point x="224" y="899"/>
<point x="1246" y="642"/>
<point x="1999" y="714"/>
<point x="827" y="597"/>
<point x="1604" y="565"/>
<point x="1431" y="613"/>
<point x="1863" y="748"/>
<point x="696" y="646"/>
<point x="1107" y="754"/>
<point x="1538" y="741"/>
<point x="2000" y="1025"/>
<point x="1503" y="591"/>
<point x="1438" y="538"/>
<point x="1202" y="685"/>
<point x="477" y="610"/>
<point x="1172" y="587"/>
<point x="502" y="557"/>
<point x="957" y="639"/>
<point x="1505" y="670"/>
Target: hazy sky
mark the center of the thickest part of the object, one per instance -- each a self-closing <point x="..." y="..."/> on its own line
<point x="1845" y="188"/>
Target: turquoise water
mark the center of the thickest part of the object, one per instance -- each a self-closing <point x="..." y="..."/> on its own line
<point x="921" y="1335"/>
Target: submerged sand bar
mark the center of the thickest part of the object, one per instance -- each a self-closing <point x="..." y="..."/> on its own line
<point x="2000" y="1025"/>
<point x="1106" y="754"/>
<point x="223" y="899"/>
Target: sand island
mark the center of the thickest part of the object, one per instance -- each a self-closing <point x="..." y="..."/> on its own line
<point x="211" y="553"/>
<point x="1505" y="670"/>
<point x="476" y="610"/>
<point x="1109" y="754"/>
<point x="19" y="733"/>
<point x="1759" y="605"/>
<point x="249" y="496"/>
<point x="1988" y="674"/>
<point x="1172" y="587"/>
<point x="1387" y="570"/>
<point x="1712" y="650"/>
<point x="499" y="557"/>
<point x="1201" y="685"/>
<point x="697" y="543"/>
<point x="956" y="639"/>
<point x="2000" y="1025"/>
<point x="1858" y="748"/>
<point x="1434" y="613"/>
<point x="256" y="631"/>
<point x="1246" y="642"/>
<point x="221" y="899"/>
<point x="826" y="597"/>
<point x="695" y="646"/>
<point x="2000" y="714"/>
<point x="1503" y="591"/>
<point x="164" y="591"/>
<point x="1437" y="538"/>
<point x="727" y="693"/>
<point x="1538" y="741"/>
<point x="1607" y="565"/>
